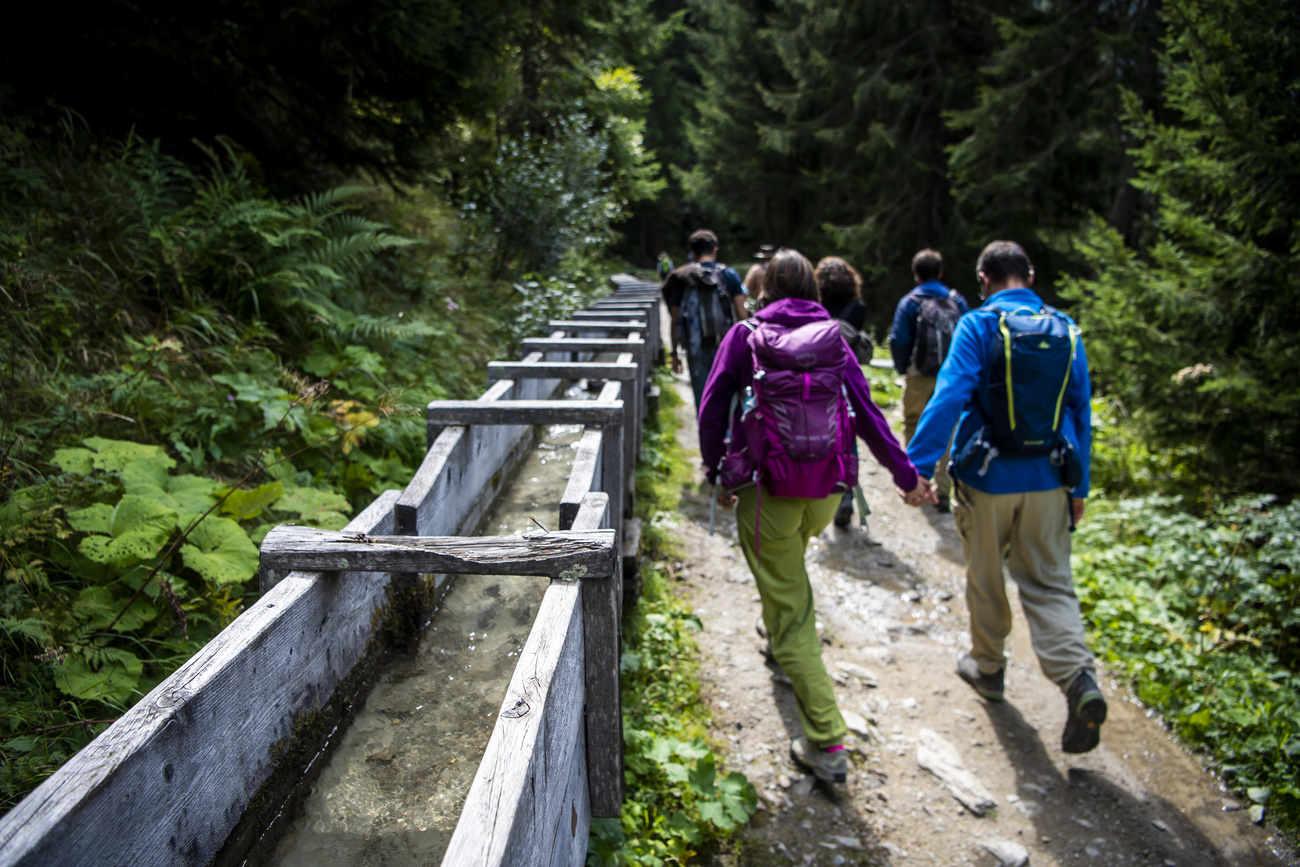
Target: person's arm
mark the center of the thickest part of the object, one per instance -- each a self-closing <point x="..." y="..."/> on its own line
<point x="737" y="290"/>
<point x="675" y="361"/>
<point x="957" y="381"/>
<point x="731" y="371"/>
<point x="870" y="424"/>
<point x="1079" y="405"/>
<point x="902" y="334"/>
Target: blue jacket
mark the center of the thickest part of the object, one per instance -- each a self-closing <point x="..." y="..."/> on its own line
<point x="954" y="403"/>
<point x="902" y="334"/>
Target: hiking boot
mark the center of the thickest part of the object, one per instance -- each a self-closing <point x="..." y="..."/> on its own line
<point x="1087" y="711"/>
<point x="843" y="515"/>
<point x="830" y="767"/>
<point x="989" y="686"/>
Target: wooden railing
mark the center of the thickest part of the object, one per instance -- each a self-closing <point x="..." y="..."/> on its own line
<point x="196" y="771"/>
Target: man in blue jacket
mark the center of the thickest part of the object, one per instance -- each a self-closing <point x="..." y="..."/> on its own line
<point x="1016" y="505"/>
<point x="918" y="385"/>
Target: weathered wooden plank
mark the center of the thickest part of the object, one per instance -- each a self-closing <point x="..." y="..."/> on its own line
<point x="585" y="344"/>
<point x="609" y="315"/>
<point x="599" y="325"/>
<point x="563" y="370"/>
<point x="520" y="792"/>
<point x="526" y="412"/>
<point x="168" y="783"/>
<point x="602" y="612"/>
<point x="592" y="513"/>
<point x="569" y="843"/>
<point x="583" y="478"/>
<point x="550" y="555"/>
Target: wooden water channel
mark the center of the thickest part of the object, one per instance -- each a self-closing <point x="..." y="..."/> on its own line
<point x="197" y="771"/>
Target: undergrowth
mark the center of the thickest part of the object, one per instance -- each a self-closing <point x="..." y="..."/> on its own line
<point x="1203" y="616"/>
<point x="678" y="802"/>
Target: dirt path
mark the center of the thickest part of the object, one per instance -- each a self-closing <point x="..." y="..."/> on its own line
<point x="891" y="602"/>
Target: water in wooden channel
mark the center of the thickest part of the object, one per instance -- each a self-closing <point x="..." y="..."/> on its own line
<point x="392" y="791"/>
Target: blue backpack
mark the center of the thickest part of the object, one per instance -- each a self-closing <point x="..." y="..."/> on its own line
<point x="1022" y="394"/>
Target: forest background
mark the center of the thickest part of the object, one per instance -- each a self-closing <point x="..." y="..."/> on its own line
<point x="242" y="244"/>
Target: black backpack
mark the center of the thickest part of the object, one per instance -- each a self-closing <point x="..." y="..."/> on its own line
<point x="706" y="303"/>
<point x="935" y="321"/>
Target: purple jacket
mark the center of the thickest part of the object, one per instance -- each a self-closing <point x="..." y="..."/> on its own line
<point x="733" y="370"/>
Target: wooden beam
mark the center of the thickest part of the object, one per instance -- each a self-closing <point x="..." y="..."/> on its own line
<point x="583" y="478"/>
<point x="592" y="512"/>
<point x="552" y="555"/>
<point x="498" y="370"/>
<point x="599" y="325"/>
<point x="584" y="344"/>
<point x="527" y="412"/>
<point x="523" y="800"/>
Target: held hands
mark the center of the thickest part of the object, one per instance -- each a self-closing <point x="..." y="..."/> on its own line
<point x="726" y="499"/>
<point x="676" y="364"/>
<point x="922" y="493"/>
<point x="1078" y="504"/>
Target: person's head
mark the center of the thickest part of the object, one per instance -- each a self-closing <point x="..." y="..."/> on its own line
<point x="754" y="278"/>
<point x="837" y="281"/>
<point x="1003" y="265"/>
<point x="927" y="265"/>
<point x="702" y="244"/>
<point x="765" y="252"/>
<point x="788" y="275"/>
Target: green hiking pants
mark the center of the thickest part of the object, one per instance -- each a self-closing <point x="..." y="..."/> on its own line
<point x="786" y="525"/>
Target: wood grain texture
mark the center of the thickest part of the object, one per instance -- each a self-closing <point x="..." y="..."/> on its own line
<point x="592" y="513"/>
<point x="548" y="555"/>
<point x="602" y="613"/>
<point x="524" y="412"/>
<point x="564" y="370"/>
<point x="583" y="478"/>
<point x="521" y="797"/>
<point x="168" y="782"/>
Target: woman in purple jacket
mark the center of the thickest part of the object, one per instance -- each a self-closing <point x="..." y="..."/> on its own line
<point x="774" y="536"/>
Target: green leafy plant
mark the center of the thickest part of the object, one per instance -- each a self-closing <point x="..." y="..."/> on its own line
<point x="1203" y="614"/>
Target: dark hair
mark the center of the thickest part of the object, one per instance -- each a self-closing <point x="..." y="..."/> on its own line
<point x="702" y="242"/>
<point x="837" y="281"/>
<point x="1002" y="260"/>
<point x="788" y="275"/>
<point x="927" y="264"/>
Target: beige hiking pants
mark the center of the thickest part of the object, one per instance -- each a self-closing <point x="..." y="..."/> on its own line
<point x="917" y="390"/>
<point x="1032" y="530"/>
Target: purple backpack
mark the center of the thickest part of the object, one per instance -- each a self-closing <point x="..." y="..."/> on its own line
<point x="795" y="433"/>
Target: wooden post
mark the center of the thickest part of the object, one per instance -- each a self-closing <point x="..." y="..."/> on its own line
<point x="602" y="611"/>
<point x="583" y="478"/>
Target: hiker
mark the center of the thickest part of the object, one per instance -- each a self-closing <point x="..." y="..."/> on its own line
<point x="1021" y="475"/>
<point x="919" y="339"/>
<point x="663" y="266"/>
<point x="839" y="289"/>
<point x="805" y="371"/>
<point x="704" y="298"/>
<point x="754" y="276"/>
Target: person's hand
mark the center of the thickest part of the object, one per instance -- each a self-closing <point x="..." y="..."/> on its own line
<point x="922" y="493"/>
<point x="726" y="499"/>
<point x="1078" y="504"/>
<point x="676" y="364"/>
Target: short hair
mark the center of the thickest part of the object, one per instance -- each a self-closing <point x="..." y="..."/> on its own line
<point x="754" y="277"/>
<point x="702" y="242"/>
<point x="837" y="281"/>
<point x="1002" y="260"/>
<point x="789" y="274"/>
<point x="927" y="264"/>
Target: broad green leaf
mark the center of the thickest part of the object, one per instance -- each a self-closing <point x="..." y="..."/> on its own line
<point x="138" y="527"/>
<point x="242" y="504"/>
<point x="675" y="772"/>
<point x="74" y="460"/>
<point x="713" y="811"/>
<point x="115" y="455"/>
<point x="221" y="552"/>
<point x="316" y="508"/>
<point x="91" y="520"/>
<point x="112" y="682"/>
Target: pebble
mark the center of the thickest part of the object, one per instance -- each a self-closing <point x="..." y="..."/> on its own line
<point x="908" y="704"/>
<point x="783" y="781"/>
<point x="1158" y="825"/>
<point x="879" y="655"/>
<point x="803" y="787"/>
<point x="853" y="670"/>
<point x="1083" y="823"/>
<point x="847" y="842"/>
<point x="857" y="723"/>
<point x="1008" y="853"/>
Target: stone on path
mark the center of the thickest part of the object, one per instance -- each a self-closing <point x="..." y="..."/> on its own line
<point x="853" y="670"/>
<point x="1009" y="854"/>
<point x="857" y="723"/>
<point x="879" y="655"/>
<point x="804" y="786"/>
<point x="941" y="758"/>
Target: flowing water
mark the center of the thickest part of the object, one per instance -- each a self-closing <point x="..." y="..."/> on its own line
<point x="392" y="791"/>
